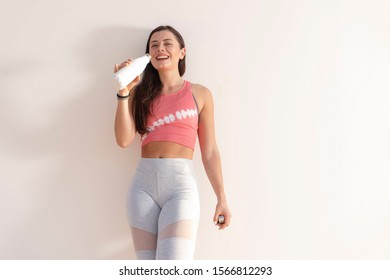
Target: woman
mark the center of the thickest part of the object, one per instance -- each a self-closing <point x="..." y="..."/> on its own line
<point x="168" y="112"/>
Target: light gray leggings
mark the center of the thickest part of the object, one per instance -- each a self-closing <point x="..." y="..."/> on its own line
<point x="163" y="209"/>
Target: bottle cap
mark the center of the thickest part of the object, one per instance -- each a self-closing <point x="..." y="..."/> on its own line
<point x="221" y="219"/>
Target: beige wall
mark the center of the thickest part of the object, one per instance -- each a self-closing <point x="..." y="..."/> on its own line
<point x="302" y="96"/>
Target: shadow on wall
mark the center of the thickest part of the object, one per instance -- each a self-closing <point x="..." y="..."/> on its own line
<point x="75" y="205"/>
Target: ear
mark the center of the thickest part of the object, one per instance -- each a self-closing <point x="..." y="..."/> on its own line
<point x="183" y="52"/>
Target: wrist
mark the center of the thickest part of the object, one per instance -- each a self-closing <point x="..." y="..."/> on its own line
<point x="122" y="97"/>
<point x="123" y="92"/>
<point x="222" y="201"/>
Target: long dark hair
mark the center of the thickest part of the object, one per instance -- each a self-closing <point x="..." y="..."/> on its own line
<point x="150" y="86"/>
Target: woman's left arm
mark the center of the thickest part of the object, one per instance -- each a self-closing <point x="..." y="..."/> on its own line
<point x="210" y="155"/>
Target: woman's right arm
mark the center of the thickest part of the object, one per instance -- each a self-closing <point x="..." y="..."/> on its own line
<point x="124" y="123"/>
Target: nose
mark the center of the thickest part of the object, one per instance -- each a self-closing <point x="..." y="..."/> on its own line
<point x="161" y="47"/>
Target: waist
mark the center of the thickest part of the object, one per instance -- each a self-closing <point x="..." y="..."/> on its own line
<point x="166" y="165"/>
<point x="162" y="149"/>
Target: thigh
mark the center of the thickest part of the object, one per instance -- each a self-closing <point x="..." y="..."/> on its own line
<point x="142" y="210"/>
<point x="178" y="226"/>
<point x="180" y="199"/>
<point x="177" y="210"/>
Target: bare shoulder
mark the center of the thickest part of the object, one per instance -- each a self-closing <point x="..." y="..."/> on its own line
<point x="202" y="94"/>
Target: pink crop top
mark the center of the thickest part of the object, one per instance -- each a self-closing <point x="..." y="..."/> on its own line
<point x="174" y="118"/>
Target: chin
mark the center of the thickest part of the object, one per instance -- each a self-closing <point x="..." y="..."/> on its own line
<point x="163" y="67"/>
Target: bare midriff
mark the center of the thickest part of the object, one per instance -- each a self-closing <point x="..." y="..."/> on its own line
<point x="162" y="149"/>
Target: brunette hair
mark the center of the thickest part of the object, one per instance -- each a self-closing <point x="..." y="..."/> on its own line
<point x="150" y="86"/>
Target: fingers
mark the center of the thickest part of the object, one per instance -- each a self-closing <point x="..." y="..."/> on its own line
<point x="215" y="219"/>
<point x="223" y="225"/>
<point x="133" y="83"/>
<point x="123" y="64"/>
<point x="224" y="222"/>
<point x="136" y="80"/>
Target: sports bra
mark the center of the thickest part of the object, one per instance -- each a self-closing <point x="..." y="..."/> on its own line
<point x="173" y="118"/>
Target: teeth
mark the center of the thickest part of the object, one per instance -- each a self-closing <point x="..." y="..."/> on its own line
<point x="162" y="57"/>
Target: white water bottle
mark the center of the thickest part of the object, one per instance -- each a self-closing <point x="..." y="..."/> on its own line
<point x="127" y="74"/>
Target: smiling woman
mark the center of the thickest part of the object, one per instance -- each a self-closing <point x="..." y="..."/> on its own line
<point x="164" y="50"/>
<point x="169" y="113"/>
<point x="167" y="51"/>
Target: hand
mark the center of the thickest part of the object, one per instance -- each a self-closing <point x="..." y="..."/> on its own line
<point x="222" y="209"/>
<point x="125" y="91"/>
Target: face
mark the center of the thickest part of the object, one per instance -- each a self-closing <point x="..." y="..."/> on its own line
<point x="165" y="51"/>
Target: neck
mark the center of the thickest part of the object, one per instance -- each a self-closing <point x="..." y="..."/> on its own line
<point x="171" y="81"/>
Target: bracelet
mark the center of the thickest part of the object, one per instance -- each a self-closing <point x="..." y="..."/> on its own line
<point x="120" y="97"/>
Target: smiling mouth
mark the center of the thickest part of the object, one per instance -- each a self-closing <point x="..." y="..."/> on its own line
<point x="162" y="57"/>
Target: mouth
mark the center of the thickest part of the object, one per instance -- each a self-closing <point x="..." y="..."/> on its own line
<point x="162" y="57"/>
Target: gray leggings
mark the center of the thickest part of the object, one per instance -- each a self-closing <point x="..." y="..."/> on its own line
<point x="163" y="209"/>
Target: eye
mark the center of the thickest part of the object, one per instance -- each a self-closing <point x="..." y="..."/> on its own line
<point x="153" y="46"/>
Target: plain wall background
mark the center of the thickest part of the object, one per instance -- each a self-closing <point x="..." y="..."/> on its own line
<point x="301" y="90"/>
